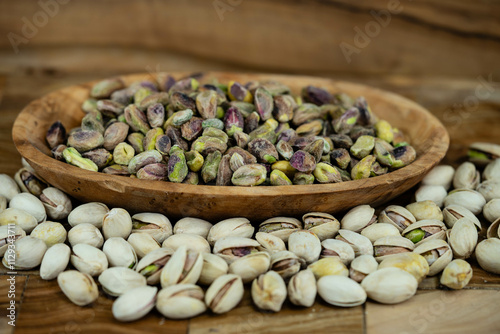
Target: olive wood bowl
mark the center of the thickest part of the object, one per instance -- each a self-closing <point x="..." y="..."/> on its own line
<point x="427" y="135"/>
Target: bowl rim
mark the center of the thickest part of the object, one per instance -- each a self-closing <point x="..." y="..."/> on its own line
<point x="424" y="162"/>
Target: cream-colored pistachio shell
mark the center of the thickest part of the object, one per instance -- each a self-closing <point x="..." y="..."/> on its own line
<point x="437" y="253"/>
<point x="8" y="187"/>
<point x="251" y="266"/>
<point x="398" y="216"/>
<point x="18" y="217"/>
<point x="431" y="193"/>
<point x="9" y="233"/>
<point x="155" y="224"/>
<point x="143" y="243"/>
<point x="223" y="245"/>
<point x="467" y="198"/>
<point x="286" y="263"/>
<point x="118" y="280"/>
<point x="491" y="211"/>
<point x="88" y="259"/>
<point x="302" y="288"/>
<point x="425" y="210"/>
<point x="57" y="204"/>
<point x="270" y="243"/>
<point x="492" y="170"/>
<point x="305" y="244"/>
<point x="466" y="176"/>
<point x="488" y="255"/>
<point x="29" y="203"/>
<point x="463" y="238"/>
<point x="322" y="224"/>
<point x="359" y="243"/>
<point x="116" y="223"/>
<point x="490" y="189"/>
<point x="377" y="231"/>
<point x="134" y="304"/>
<point x="412" y="263"/>
<point x="192" y="225"/>
<point x="213" y="267"/>
<point x="224" y="294"/>
<point x="428" y="223"/>
<point x="341" y="291"/>
<point x="494" y="230"/>
<point x="269" y="291"/>
<point x="183" y="267"/>
<point x="441" y="175"/>
<point x="27" y="253"/>
<point x="50" y="232"/>
<point x="337" y="248"/>
<point x="281" y="227"/>
<point x="362" y="266"/>
<point x="191" y="241"/>
<point x="88" y="213"/>
<point x="85" y="234"/>
<point x="358" y="218"/>
<point x="80" y="288"/>
<point x="232" y="227"/>
<point x="328" y="266"/>
<point x="454" y="212"/>
<point x="181" y="301"/>
<point x="390" y="285"/>
<point x="55" y="261"/>
<point x="119" y="253"/>
<point x="457" y="274"/>
<point x="390" y="245"/>
<point x="152" y="264"/>
<point x="3" y="203"/>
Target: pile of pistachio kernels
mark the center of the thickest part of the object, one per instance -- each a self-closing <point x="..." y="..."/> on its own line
<point x="191" y="267"/>
<point x="236" y="134"/>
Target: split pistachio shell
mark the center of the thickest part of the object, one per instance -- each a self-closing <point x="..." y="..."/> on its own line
<point x="232" y="248"/>
<point x="143" y="243"/>
<point x="269" y="291"/>
<point x="390" y="285"/>
<point x="191" y="241"/>
<point x="488" y="255"/>
<point x="425" y="210"/>
<point x="390" y="245"/>
<point x="152" y="264"/>
<point x="29" y="182"/>
<point x="456" y="275"/>
<point x="322" y="224"/>
<point x="55" y="261"/>
<point x="85" y="234"/>
<point x="494" y="230"/>
<point x="466" y="176"/>
<point x="29" y="203"/>
<point x="437" y="253"/>
<point x="27" y="254"/>
<point x="491" y="210"/>
<point x="56" y="203"/>
<point x="377" y="231"/>
<point x="154" y="224"/>
<point x="492" y="170"/>
<point x="8" y="187"/>
<point x="431" y="193"/>
<point x="191" y="225"/>
<point x="358" y="218"/>
<point x="341" y="291"/>
<point x="441" y="175"/>
<point x="50" y="232"/>
<point x="18" y="217"/>
<point x="412" y="263"/>
<point x="183" y="267"/>
<point x="232" y="227"/>
<point x="250" y="266"/>
<point x="116" y="223"/>
<point x="88" y="213"/>
<point x="286" y="263"/>
<point x="463" y="238"/>
<point x="305" y="244"/>
<point x="467" y="198"/>
<point x="337" y="248"/>
<point x="360" y="244"/>
<point x="80" y="288"/>
<point x="88" y="259"/>
<point x="490" y="189"/>
<point x="118" y="280"/>
<point x="362" y="266"/>
<point x="454" y="212"/>
<point x="281" y="227"/>
<point x="224" y="293"/>
<point x="134" y="304"/>
<point x="181" y="301"/>
<point x="424" y="230"/>
<point x="119" y="253"/>
<point x="270" y="243"/>
<point x="9" y="233"/>
<point x="398" y="216"/>
<point x="302" y="288"/>
<point x="328" y="266"/>
<point x="213" y="267"/>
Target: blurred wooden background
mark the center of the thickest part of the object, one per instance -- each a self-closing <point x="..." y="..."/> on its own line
<point x="443" y="54"/>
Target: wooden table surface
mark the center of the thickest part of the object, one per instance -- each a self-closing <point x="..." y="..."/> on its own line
<point x="470" y="109"/>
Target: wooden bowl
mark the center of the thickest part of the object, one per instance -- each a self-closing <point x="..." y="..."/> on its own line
<point x="427" y="135"/>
